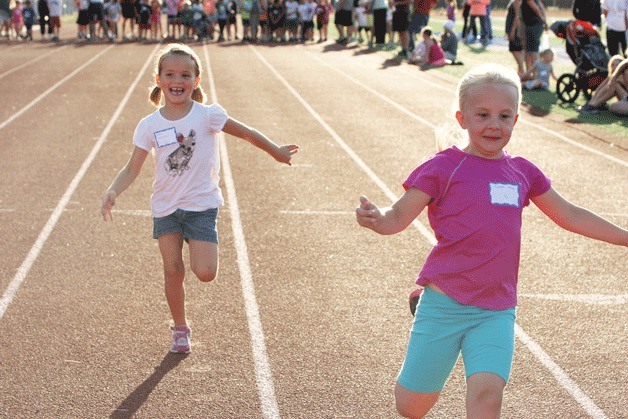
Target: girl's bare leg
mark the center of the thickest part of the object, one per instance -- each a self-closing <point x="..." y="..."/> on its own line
<point x="413" y="405"/>
<point x="204" y="260"/>
<point x="484" y="395"/>
<point x="171" y="248"/>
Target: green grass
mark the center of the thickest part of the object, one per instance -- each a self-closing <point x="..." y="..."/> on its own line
<point x="538" y="102"/>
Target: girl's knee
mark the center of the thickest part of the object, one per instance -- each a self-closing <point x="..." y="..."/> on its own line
<point x="206" y="273"/>
<point x="174" y="273"/>
<point x="484" y="395"/>
<point x="413" y="405"/>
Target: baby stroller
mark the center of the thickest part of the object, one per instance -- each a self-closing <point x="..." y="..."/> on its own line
<point x="587" y="52"/>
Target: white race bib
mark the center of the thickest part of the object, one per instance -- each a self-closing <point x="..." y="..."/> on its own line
<point x="165" y="137"/>
<point x="506" y="194"/>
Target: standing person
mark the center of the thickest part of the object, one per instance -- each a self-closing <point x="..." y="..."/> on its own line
<point x="616" y="17"/>
<point x="82" y="20"/>
<point x="129" y="12"/>
<point x="344" y="20"/>
<point x="589" y="10"/>
<point x="143" y="19"/>
<point x="255" y="9"/>
<point x="292" y="19"/>
<point x="112" y="15"/>
<point x="28" y="12"/>
<point x="380" y="9"/>
<point x="156" y="29"/>
<point x="96" y="11"/>
<point x="54" y="7"/>
<point x="172" y="19"/>
<point x="17" y="19"/>
<point x="221" y="14"/>
<point x="534" y="23"/>
<point x="451" y="10"/>
<point x="182" y="137"/>
<point x="5" y="17"/>
<point x="513" y="34"/>
<point x="44" y="18"/>
<point x="420" y="19"/>
<point x="306" y="12"/>
<point x="245" y="15"/>
<point x="276" y="19"/>
<point x="212" y="17"/>
<point x="232" y="12"/>
<point x="400" y="25"/>
<point x="389" y="24"/>
<point x="474" y="196"/>
<point x="479" y="10"/>
<point x="361" y="18"/>
<point x="469" y="29"/>
<point x="322" y="11"/>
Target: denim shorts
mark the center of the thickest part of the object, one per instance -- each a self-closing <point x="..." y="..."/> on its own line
<point x="442" y="329"/>
<point x="193" y="225"/>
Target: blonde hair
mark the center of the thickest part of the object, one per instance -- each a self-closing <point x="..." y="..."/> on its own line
<point x="176" y="49"/>
<point x="451" y="133"/>
<point x="614" y="62"/>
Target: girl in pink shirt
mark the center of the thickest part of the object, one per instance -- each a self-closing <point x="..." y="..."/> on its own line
<point x="474" y="197"/>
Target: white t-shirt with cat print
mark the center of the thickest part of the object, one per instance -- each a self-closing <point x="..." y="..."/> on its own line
<point x="186" y="158"/>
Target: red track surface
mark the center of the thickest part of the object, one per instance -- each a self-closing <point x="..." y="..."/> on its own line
<point x="85" y="329"/>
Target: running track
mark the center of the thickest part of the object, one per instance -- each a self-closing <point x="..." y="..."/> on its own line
<point x="309" y="316"/>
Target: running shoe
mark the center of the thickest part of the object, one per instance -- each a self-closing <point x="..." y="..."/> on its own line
<point x="414" y="299"/>
<point x="180" y="339"/>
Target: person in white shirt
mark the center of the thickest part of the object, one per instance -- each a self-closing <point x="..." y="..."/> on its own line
<point x="182" y="136"/>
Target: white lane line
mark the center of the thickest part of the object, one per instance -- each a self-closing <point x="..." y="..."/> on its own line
<point x="52" y="88"/>
<point x="389" y="193"/>
<point x="560" y="375"/>
<point x="548" y="131"/>
<point x="27" y="63"/>
<point x="263" y="373"/>
<point x="27" y="264"/>
<point x="313" y="212"/>
<point x="600" y="299"/>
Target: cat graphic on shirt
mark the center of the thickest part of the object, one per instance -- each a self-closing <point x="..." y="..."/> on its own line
<point x="177" y="162"/>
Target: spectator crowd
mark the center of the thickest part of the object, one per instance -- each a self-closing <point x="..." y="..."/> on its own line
<point x="403" y="24"/>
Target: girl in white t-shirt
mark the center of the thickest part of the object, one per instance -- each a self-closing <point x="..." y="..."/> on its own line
<point x="182" y="137"/>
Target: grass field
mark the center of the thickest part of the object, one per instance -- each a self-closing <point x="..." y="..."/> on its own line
<point x="541" y="102"/>
<point x="471" y="55"/>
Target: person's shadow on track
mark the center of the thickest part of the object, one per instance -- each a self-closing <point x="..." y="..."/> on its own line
<point x="136" y="399"/>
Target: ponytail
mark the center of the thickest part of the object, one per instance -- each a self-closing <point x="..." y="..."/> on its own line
<point x="155" y="96"/>
<point x="199" y="94"/>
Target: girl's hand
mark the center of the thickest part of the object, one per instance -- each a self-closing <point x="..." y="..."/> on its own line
<point x="108" y="201"/>
<point x="367" y="213"/>
<point x="285" y="152"/>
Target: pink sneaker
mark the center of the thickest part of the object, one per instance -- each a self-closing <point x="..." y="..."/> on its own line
<point x="414" y="299"/>
<point x="180" y="339"/>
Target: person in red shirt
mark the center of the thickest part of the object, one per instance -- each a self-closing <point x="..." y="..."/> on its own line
<point x="420" y="18"/>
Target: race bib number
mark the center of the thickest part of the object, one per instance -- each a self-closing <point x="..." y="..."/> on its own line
<point x="505" y="194"/>
<point x="165" y="137"/>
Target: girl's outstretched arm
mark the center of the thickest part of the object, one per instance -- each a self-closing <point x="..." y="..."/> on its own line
<point x="395" y="218"/>
<point x="122" y="181"/>
<point x="579" y="220"/>
<point x="283" y="154"/>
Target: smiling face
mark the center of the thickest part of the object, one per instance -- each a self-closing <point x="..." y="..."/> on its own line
<point x="489" y="114"/>
<point x="177" y="79"/>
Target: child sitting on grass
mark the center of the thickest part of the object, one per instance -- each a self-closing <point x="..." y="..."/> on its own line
<point x="538" y="77"/>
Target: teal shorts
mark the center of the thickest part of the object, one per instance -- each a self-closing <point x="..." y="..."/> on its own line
<point x="442" y="329"/>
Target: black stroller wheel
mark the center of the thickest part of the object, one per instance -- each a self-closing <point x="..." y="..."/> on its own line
<point x="588" y="93"/>
<point x="567" y="89"/>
